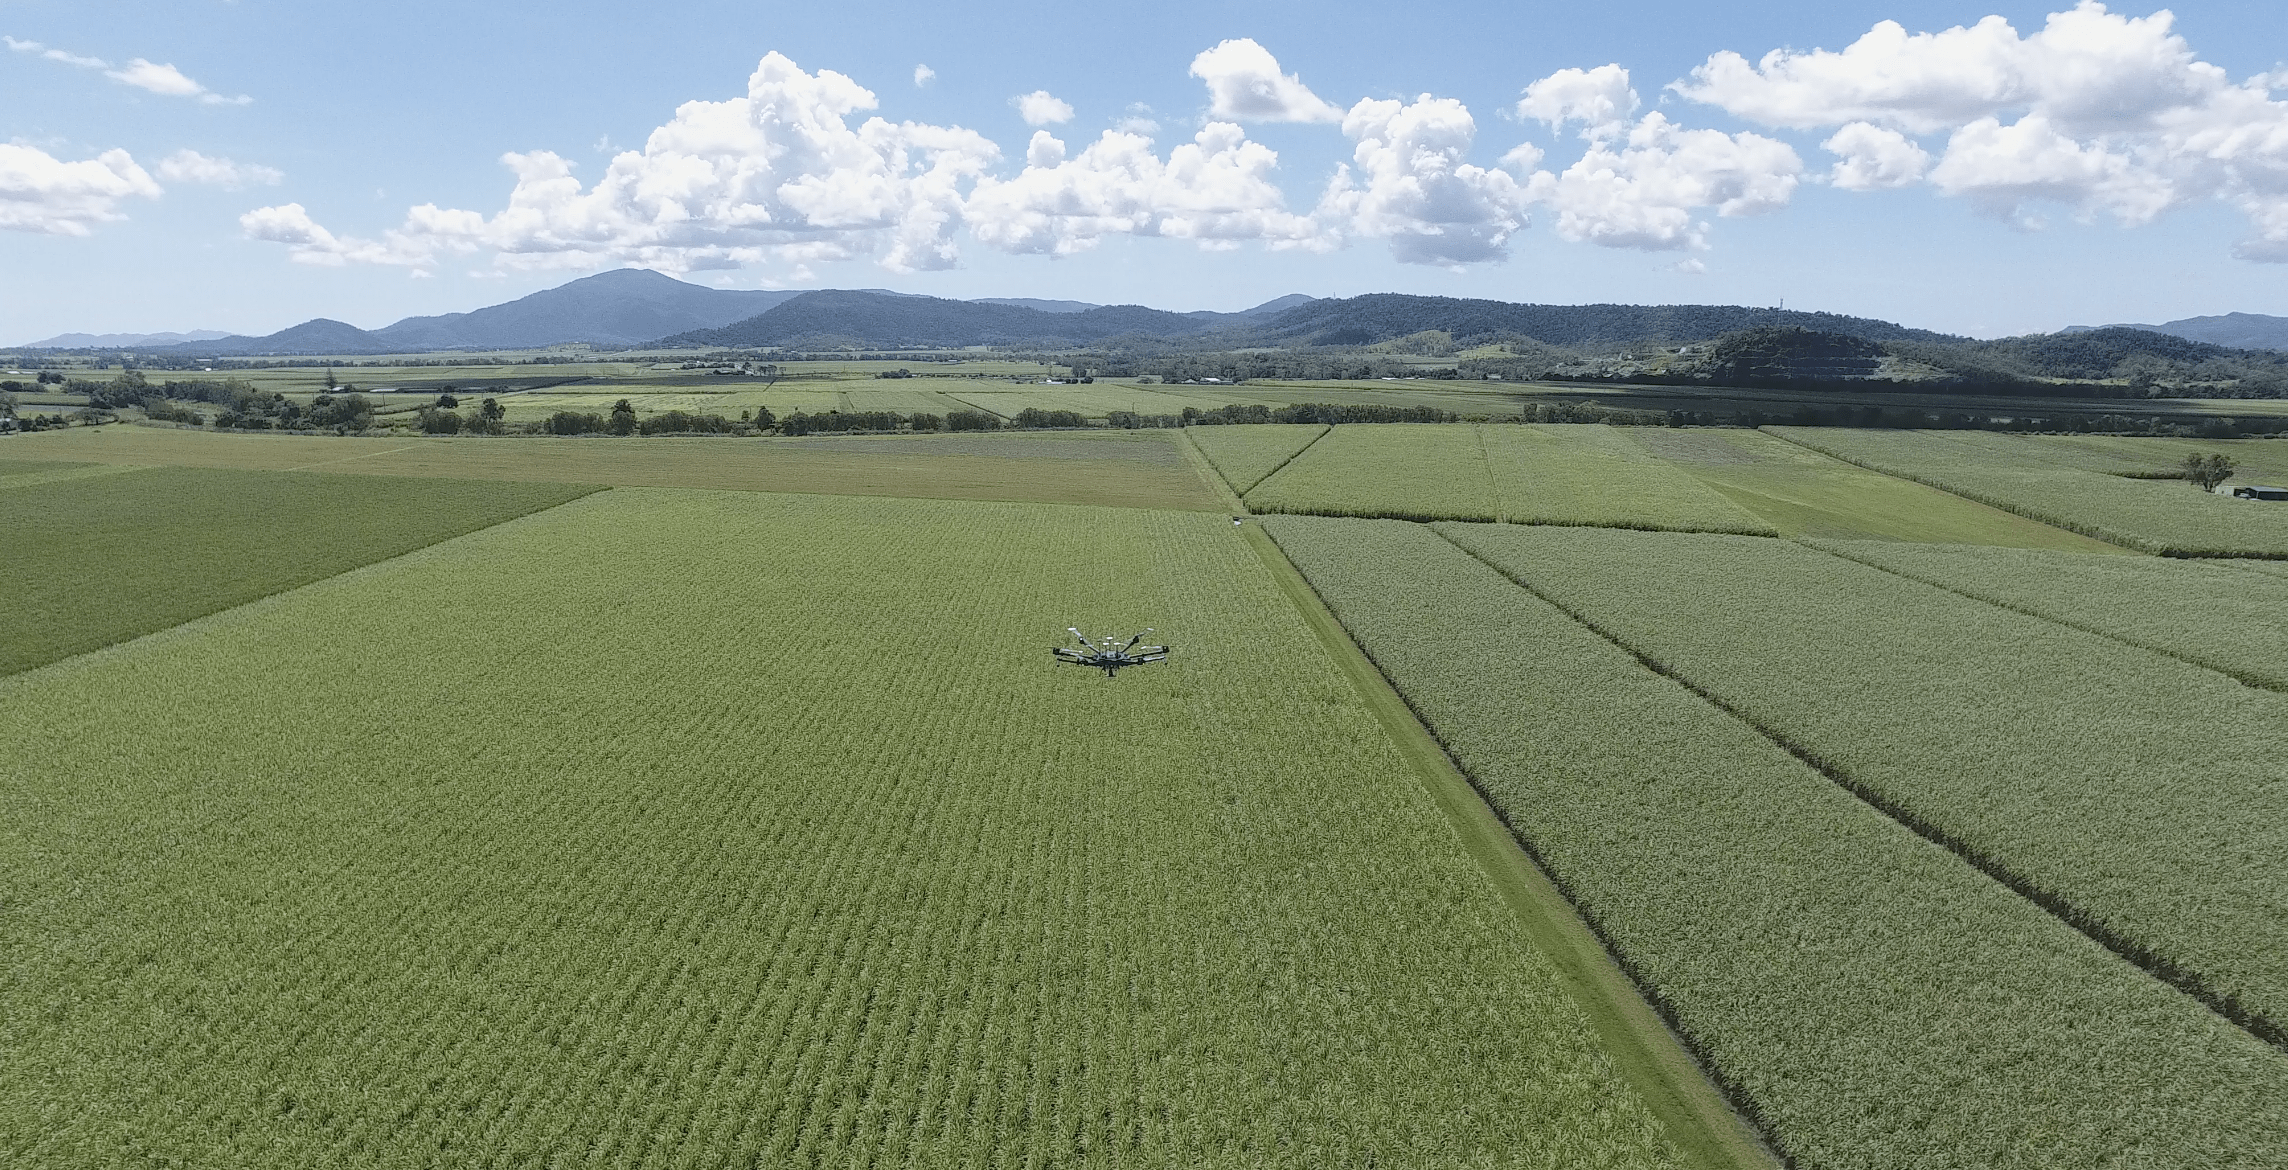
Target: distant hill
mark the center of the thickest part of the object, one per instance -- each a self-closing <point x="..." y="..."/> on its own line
<point x="2232" y="330"/>
<point x="1377" y="317"/>
<point x="875" y="319"/>
<point x="122" y="340"/>
<point x="626" y="307"/>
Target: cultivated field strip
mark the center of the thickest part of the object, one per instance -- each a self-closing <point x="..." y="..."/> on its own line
<point x="1582" y="473"/>
<point x="95" y="560"/>
<point x="1526" y="473"/>
<point x="1130" y="473"/>
<point x="2168" y="517"/>
<point x="2136" y="794"/>
<point x="721" y="829"/>
<point x="2210" y="613"/>
<point x="1247" y="455"/>
<point x="1404" y="471"/>
<point x="1873" y="1000"/>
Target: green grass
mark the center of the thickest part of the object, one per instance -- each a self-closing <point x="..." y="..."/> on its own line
<point x="2024" y="475"/>
<point x="1247" y="455"/>
<point x="10" y="468"/>
<point x="1873" y="1000"/>
<point x="2213" y="613"/>
<point x="727" y="829"/>
<point x="2132" y="790"/>
<point x="97" y="560"/>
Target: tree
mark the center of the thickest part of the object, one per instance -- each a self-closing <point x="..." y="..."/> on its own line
<point x="493" y="410"/>
<point x="2207" y="471"/>
<point x="623" y="418"/>
<point x="447" y="402"/>
<point x="48" y="377"/>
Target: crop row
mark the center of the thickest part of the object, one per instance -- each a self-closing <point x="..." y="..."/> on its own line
<point x="726" y="829"/>
<point x="98" y="559"/>
<point x="2129" y="789"/>
<point x="2168" y="517"/>
<point x="1871" y="1000"/>
<point x="1532" y="474"/>
<point x="2213" y="613"/>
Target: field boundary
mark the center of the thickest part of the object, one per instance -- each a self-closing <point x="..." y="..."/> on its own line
<point x="1695" y="1111"/>
<point x="1325" y="429"/>
<point x="2159" y="966"/>
<point x="11" y="682"/>
<point x="2014" y="607"/>
<point x="1206" y="469"/>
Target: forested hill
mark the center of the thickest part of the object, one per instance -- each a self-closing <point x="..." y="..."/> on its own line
<point x="1377" y="317"/>
<point x="876" y="319"/>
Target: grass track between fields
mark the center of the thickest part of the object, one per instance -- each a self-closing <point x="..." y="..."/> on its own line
<point x="1699" y="1119"/>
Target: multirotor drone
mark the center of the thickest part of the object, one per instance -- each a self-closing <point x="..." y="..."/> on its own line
<point x="1107" y="654"/>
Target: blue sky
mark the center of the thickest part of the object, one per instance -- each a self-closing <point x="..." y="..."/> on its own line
<point x="247" y="165"/>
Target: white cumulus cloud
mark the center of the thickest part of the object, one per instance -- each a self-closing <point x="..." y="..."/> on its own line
<point x="1245" y="85"/>
<point x="1412" y="186"/>
<point x="1599" y="98"/>
<point x="1874" y="157"/>
<point x="2098" y="112"/>
<point x="1041" y="108"/>
<point x="923" y="75"/>
<point x="42" y="193"/>
<point x="189" y="166"/>
<point x="1644" y="190"/>
<point x="1216" y="190"/>
<point x="778" y="175"/>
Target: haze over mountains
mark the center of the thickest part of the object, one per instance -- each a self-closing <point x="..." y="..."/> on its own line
<point x="632" y="308"/>
<point x="2231" y="330"/>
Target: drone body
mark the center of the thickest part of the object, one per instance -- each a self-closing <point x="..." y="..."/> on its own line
<point x="1107" y="654"/>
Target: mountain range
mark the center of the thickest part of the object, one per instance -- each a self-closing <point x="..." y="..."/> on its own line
<point x="634" y="308"/>
<point x="2231" y="330"/>
<point x="124" y="340"/>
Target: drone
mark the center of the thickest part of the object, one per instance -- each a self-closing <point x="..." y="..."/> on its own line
<point x="1107" y="654"/>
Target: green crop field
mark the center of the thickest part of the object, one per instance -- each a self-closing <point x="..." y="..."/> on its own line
<point x="1533" y="473"/>
<point x="1601" y="475"/>
<point x="1872" y="999"/>
<point x="95" y="560"/>
<point x="727" y="829"/>
<point x="1399" y="470"/>
<point x="1801" y="492"/>
<point x="2213" y="613"/>
<point x="1247" y="455"/>
<point x="1136" y="469"/>
<point x="2134" y="789"/>
<point x="2027" y="476"/>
